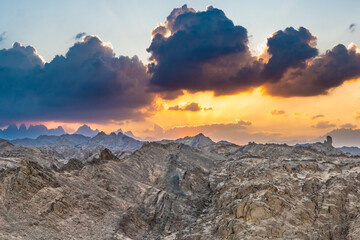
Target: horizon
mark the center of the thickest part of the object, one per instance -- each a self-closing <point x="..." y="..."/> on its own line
<point x="344" y="137"/>
<point x="274" y="76"/>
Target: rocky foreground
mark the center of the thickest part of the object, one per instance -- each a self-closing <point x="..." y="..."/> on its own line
<point x="176" y="191"/>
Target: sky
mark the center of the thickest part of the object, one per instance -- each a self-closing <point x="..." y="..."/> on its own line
<point x="235" y="70"/>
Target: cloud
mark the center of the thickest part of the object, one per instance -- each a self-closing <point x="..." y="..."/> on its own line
<point x="87" y="84"/>
<point x="194" y="107"/>
<point x="2" y="36"/>
<point x="205" y="51"/>
<point x="277" y="112"/>
<point x="325" y="72"/>
<point x="288" y="48"/>
<point x="301" y="115"/>
<point x="317" y="116"/>
<point x="80" y="35"/>
<point x="348" y="125"/>
<point x="323" y="124"/>
<point x="19" y="59"/>
<point x="200" y="51"/>
<point x="156" y="133"/>
<point x="352" y="27"/>
<point x="357" y="114"/>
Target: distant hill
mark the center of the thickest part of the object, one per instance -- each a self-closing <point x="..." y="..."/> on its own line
<point x="352" y="150"/>
<point x="5" y="145"/>
<point x="87" y="131"/>
<point x="13" y="132"/>
<point x="113" y="141"/>
<point x="44" y="140"/>
<point x="199" y="141"/>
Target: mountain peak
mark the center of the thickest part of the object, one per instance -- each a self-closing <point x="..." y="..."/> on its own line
<point x="118" y="131"/>
<point x="200" y="135"/>
<point x="199" y="140"/>
<point x="102" y="133"/>
<point x="87" y="131"/>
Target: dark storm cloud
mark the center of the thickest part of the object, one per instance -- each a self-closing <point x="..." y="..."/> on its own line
<point x="194" y="107"/>
<point x="352" y="27"/>
<point x="200" y="51"/>
<point x="328" y="71"/>
<point x="87" y="84"/>
<point x="288" y="48"/>
<point x="205" y="51"/>
<point x="19" y="58"/>
<point x="80" y="35"/>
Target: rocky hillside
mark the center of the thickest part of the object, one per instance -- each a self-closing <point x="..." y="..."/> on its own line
<point x="175" y="191"/>
<point x="113" y="141"/>
<point x="52" y="141"/>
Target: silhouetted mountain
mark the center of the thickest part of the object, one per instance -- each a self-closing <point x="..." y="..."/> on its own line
<point x="34" y="131"/>
<point x="86" y="131"/>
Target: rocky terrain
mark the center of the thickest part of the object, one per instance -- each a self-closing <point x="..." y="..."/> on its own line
<point x="176" y="191"/>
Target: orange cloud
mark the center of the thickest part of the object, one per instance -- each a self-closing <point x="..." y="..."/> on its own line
<point x="348" y="125"/>
<point x="301" y="115"/>
<point x="317" y="116"/>
<point x="277" y="112"/>
<point x="193" y="107"/>
<point x="357" y="114"/>
<point x="323" y="124"/>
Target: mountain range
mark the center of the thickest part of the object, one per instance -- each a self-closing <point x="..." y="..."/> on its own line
<point x="33" y="131"/>
<point x="342" y="137"/>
